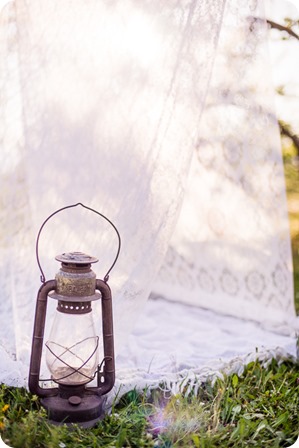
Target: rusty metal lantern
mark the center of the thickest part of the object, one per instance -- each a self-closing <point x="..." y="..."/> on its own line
<point x="72" y="350"/>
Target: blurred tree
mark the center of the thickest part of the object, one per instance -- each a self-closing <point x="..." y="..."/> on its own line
<point x="287" y="28"/>
<point x="289" y="31"/>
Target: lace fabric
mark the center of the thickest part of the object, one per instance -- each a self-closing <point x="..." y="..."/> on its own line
<point x="176" y="347"/>
<point x="231" y="247"/>
<point x="110" y="104"/>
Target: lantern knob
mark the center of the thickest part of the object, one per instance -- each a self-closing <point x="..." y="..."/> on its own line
<point x="74" y="400"/>
<point x="77" y="258"/>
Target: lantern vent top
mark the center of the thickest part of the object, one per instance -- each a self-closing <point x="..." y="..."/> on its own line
<point x="76" y="258"/>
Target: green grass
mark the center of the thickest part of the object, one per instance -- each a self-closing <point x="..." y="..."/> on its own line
<point x="256" y="409"/>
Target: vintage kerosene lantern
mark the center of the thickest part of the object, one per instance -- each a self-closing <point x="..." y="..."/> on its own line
<point x="72" y="349"/>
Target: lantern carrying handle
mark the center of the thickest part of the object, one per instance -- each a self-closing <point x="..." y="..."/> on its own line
<point x="106" y="277"/>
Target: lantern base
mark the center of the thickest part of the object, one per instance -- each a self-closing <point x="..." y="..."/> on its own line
<point x="84" y="411"/>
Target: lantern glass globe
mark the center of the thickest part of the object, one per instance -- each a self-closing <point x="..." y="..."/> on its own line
<point x="72" y="349"/>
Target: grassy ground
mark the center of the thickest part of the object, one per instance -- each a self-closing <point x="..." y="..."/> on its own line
<point x="256" y="409"/>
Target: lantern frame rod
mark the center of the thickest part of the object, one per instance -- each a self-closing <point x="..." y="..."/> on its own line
<point x="38" y="339"/>
<point x="106" y="277"/>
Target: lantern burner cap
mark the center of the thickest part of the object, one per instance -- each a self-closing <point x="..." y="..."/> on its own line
<point x="76" y="258"/>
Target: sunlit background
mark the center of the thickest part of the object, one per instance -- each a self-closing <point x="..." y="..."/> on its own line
<point x="285" y="62"/>
<point x="283" y="49"/>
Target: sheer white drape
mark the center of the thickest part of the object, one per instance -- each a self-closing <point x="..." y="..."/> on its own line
<point x="101" y="103"/>
<point x="231" y="249"/>
<point x="228" y="266"/>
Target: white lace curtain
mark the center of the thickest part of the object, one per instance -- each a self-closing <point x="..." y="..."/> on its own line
<point x="231" y="247"/>
<point x="110" y="104"/>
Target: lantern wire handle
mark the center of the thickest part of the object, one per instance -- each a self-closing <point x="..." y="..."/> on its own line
<point x="106" y="277"/>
